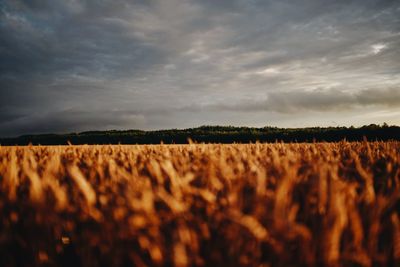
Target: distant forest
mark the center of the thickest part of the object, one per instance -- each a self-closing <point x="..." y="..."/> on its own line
<point x="213" y="134"/>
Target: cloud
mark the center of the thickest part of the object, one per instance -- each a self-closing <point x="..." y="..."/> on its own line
<point x="161" y="56"/>
<point x="72" y="121"/>
<point x="305" y="101"/>
<point x="328" y="100"/>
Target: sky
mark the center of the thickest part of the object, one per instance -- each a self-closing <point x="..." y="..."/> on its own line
<point x="71" y="66"/>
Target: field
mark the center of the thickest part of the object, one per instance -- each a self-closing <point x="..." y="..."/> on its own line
<point x="321" y="204"/>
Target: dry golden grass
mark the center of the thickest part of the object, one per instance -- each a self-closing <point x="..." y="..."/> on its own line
<point x="324" y="204"/>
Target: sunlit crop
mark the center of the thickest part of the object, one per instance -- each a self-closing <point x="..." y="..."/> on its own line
<point x="322" y="204"/>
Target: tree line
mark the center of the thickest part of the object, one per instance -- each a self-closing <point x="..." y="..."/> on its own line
<point x="213" y="134"/>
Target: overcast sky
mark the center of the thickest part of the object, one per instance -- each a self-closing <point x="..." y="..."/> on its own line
<point x="70" y="66"/>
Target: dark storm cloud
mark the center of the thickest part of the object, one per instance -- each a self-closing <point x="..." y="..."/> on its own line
<point x="73" y="39"/>
<point x="79" y="65"/>
<point x="72" y="120"/>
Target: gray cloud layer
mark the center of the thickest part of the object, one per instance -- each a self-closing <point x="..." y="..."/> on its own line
<point x="316" y="100"/>
<point x="83" y="65"/>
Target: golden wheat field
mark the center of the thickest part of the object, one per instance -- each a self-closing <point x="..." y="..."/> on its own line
<point x="321" y="204"/>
